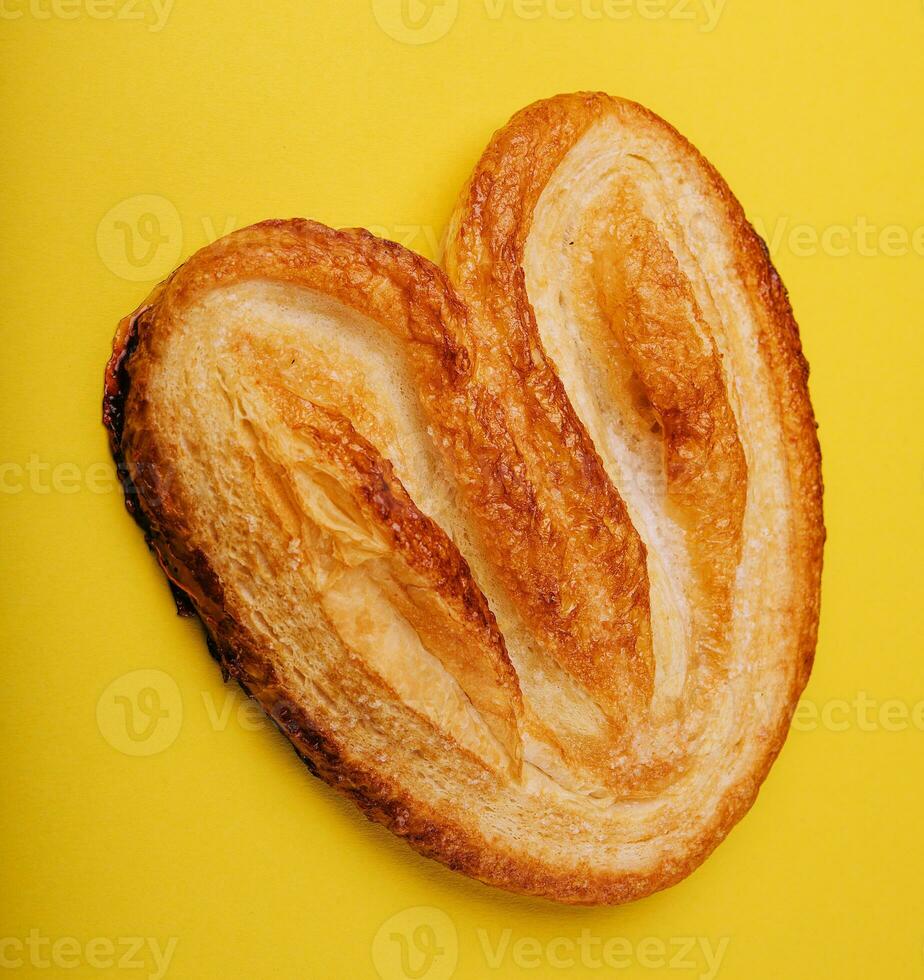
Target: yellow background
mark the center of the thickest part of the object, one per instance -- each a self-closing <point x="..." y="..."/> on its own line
<point x="123" y="136"/>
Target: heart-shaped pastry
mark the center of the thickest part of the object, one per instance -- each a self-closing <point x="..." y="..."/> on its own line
<point x="525" y="560"/>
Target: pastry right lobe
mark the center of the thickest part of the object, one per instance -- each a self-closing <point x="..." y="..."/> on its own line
<point x="616" y="285"/>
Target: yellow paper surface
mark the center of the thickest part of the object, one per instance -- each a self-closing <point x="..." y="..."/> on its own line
<point x="152" y="824"/>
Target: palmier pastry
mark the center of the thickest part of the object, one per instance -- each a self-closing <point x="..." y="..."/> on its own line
<point x="525" y="560"/>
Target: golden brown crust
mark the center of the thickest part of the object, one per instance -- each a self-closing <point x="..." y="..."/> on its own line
<point x="380" y="466"/>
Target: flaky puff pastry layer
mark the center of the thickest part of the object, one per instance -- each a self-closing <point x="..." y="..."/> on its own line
<point x="527" y="565"/>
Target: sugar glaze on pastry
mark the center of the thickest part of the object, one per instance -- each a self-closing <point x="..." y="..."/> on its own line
<point x="523" y="557"/>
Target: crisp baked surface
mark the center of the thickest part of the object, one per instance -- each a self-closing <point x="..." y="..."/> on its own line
<point x="526" y="564"/>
